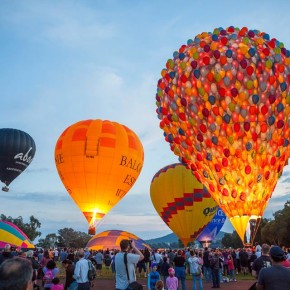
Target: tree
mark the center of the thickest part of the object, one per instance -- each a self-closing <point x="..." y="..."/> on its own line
<point x="30" y="229"/>
<point x="258" y="237"/>
<point x="50" y="241"/>
<point x="68" y="237"/>
<point x="277" y="231"/>
<point x="232" y="240"/>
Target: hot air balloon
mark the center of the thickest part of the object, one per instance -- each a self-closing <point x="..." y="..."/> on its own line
<point x="17" y="150"/>
<point x="182" y="202"/>
<point x="98" y="162"/>
<point x="212" y="229"/>
<point x="111" y="240"/>
<point x="223" y="103"/>
<point x="11" y="234"/>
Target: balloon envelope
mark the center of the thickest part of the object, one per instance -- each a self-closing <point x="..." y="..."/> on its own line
<point x="213" y="228"/>
<point x="111" y="240"/>
<point x="11" y="234"/>
<point x="182" y="202"/>
<point x="98" y="162"/>
<point x="17" y="150"/>
<point x="223" y="103"/>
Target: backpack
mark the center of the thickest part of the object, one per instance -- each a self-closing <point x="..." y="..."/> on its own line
<point x="92" y="271"/>
<point x="48" y="276"/>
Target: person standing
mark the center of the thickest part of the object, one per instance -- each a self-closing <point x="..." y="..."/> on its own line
<point x="81" y="271"/>
<point x="262" y="262"/>
<point x="153" y="277"/>
<point x="16" y="273"/>
<point x="164" y="269"/>
<point x="70" y="282"/>
<point x="276" y="277"/>
<point x="179" y="264"/>
<point x="215" y="266"/>
<point x="147" y="254"/>
<point x="157" y="259"/>
<point x="171" y="280"/>
<point x="195" y="265"/>
<point x="6" y="254"/>
<point x="206" y="265"/>
<point x="99" y="257"/>
<point x="231" y="268"/>
<point x="126" y="246"/>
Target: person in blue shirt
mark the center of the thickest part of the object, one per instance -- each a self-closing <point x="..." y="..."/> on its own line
<point x="81" y="271"/>
<point x="153" y="277"/>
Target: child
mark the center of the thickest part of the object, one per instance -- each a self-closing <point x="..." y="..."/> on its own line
<point x="153" y="277"/>
<point x="231" y="268"/>
<point x="159" y="285"/>
<point x="55" y="284"/>
<point x="171" y="281"/>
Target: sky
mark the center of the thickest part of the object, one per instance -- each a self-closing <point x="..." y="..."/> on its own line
<point x="66" y="61"/>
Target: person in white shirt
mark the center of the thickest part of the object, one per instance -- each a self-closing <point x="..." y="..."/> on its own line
<point x="81" y="272"/>
<point x="128" y="247"/>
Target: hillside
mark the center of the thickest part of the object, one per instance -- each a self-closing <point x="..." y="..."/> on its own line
<point x="171" y="240"/>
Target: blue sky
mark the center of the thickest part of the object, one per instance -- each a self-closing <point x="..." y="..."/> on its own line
<point x="65" y="61"/>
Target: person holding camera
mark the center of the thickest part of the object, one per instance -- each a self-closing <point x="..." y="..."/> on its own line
<point x="133" y="255"/>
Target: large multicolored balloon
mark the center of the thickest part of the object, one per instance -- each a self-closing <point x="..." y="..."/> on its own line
<point x="17" y="150"/>
<point x="182" y="202"/>
<point x="223" y="103"/>
<point x="111" y="240"/>
<point x="212" y="229"/>
<point x="11" y="234"/>
<point x="98" y="162"/>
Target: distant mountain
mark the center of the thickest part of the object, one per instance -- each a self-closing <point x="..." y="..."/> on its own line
<point x="171" y="240"/>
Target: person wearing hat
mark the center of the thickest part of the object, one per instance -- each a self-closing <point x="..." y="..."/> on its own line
<point x="276" y="277"/>
<point x="153" y="277"/>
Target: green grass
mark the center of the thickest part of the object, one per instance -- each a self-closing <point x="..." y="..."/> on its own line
<point x="108" y="275"/>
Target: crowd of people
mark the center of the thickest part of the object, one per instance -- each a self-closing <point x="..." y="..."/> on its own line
<point x="163" y="269"/>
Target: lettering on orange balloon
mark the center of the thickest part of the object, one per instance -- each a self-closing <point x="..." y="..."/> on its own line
<point x="98" y="163"/>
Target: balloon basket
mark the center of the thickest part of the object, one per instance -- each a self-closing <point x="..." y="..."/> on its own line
<point x="92" y="231"/>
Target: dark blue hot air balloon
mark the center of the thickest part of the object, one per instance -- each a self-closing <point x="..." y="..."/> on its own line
<point x="17" y="150"/>
<point x="212" y="229"/>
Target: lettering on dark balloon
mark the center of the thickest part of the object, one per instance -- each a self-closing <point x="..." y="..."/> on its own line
<point x="208" y="211"/>
<point x="24" y="157"/>
<point x="130" y="163"/>
<point x="130" y="180"/>
<point x="13" y="169"/>
<point x="59" y="158"/>
<point x="120" y="193"/>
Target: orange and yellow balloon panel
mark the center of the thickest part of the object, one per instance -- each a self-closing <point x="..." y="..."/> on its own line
<point x="111" y="240"/>
<point x="98" y="162"/>
<point x="12" y="235"/>
<point x="182" y="202"/>
<point x="223" y="104"/>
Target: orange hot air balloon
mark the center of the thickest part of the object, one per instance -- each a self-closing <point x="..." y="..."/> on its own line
<point x="182" y="201"/>
<point x="111" y="240"/>
<point x="98" y="162"/>
<point x="223" y="103"/>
